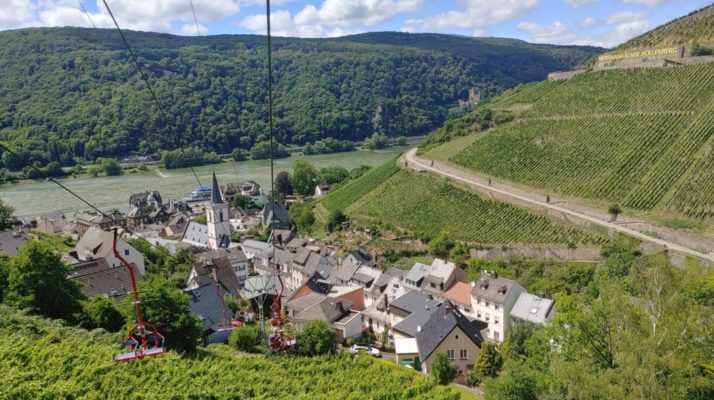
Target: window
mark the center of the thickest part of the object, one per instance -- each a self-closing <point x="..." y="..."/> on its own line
<point x="488" y="317"/>
<point x="487" y="304"/>
<point x="461" y="372"/>
<point x="478" y="300"/>
<point x="450" y="354"/>
<point x="495" y="306"/>
<point x="463" y="354"/>
<point x="495" y="335"/>
<point x="478" y="314"/>
<point x="456" y="337"/>
<point x="126" y="252"/>
<point x="468" y="310"/>
<point x="495" y="320"/>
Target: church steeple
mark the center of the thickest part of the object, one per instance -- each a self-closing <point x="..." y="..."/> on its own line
<point x="216" y="197"/>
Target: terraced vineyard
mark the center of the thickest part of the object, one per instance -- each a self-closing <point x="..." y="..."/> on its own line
<point x="590" y="157"/>
<point x="427" y="206"/>
<point x="41" y="359"/>
<point x="352" y="191"/>
<point x="697" y="25"/>
<point x="638" y="137"/>
<point x="652" y="90"/>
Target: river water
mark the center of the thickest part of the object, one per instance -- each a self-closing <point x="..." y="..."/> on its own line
<point x="31" y="199"/>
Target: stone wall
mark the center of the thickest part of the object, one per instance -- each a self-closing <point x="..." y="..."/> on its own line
<point x="560" y="76"/>
<point x="590" y="253"/>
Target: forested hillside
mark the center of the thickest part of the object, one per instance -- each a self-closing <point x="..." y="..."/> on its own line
<point x="71" y="93"/>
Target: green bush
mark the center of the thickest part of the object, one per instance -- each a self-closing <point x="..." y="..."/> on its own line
<point x="244" y="338"/>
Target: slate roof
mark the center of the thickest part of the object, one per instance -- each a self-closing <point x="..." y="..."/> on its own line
<point x="362" y="256"/>
<point x="493" y="287"/>
<point x="397" y="272"/>
<point x="206" y="302"/>
<point x="302" y="303"/>
<point x="99" y="278"/>
<point x="420" y="308"/>
<point x="441" y="270"/>
<point x="11" y="242"/>
<point x="254" y="246"/>
<point x="204" y="268"/>
<point x="344" y="272"/>
<point x="438" y="326"/>
<point x="328" y="309"/>
<point x="279" y="212"/>
<point x="532" y="308"/>
<point x="417" y="272"/>
<point x="362" y="278"/>
<point x="308" y="262"/>
<point x="95" y="243"/>
<point x="216" y="197"/>
<point x="196" y="234"/>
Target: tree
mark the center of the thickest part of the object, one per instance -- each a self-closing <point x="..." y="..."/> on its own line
<point x="317" y="338"/>
<point x="100" y="312"/>
<point x="304" y="178"/>
<point x="335" y="220"/>
<point x="244" y="338"/>
<point x="443" y="370"/>
<point x="472" y="380"/>
<point x="302" y="217"/>
<point x="333" y="175"/>
<point x="243" y="202"/>
<point x="261" y="150"/>
<point x="110" y="166"/>
<point x="489" y="361"/>
<point x="282" y="183"/>
<point x="201" y="219"/>
<point x="239" y="154"/>
<point x="37" y="281"/>
<point x="517" y="384"/>
<point x="5" y="215"/>
<point x="441" y="245"/>
<point x="54" y="168"/>
<point x="377" y="141"/>
<point x="167" y="308"/>
<point x="4" y="271"/>
<point x="614" y="210"/>
<point x="359" y="171"/>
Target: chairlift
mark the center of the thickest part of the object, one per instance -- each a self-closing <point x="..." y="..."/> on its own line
<point x="142" y="339"/>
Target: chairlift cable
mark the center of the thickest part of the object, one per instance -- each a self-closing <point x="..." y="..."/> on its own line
<point x="89" y="17"/>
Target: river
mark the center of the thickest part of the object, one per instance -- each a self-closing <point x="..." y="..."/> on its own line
<point x="31" y="199"/>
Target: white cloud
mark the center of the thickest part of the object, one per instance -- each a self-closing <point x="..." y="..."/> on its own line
<point x="559" y="33"/>
<point x="190" y="29"/>
<point x="588" y="23"/>
<point x="16" y="14"/>
<point x="150" y="15"/>
<point x="579" y="3"/>
<point x="332" y="18"/>
<point x="626" y="16"/>
<point x="477" y="15"/>
<point x="650" y="3"/>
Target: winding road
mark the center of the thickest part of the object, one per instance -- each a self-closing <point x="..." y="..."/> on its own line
<point x="416" y="163"/>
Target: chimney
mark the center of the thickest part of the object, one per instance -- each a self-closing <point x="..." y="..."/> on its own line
<point x="386" y="301"/>
<point x="214" y="273"/>
<point x="495" y="274"/>
<point x="447" y="309"/>
<point x="418" y="328"/>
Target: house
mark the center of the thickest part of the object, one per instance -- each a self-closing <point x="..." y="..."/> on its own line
<point x="141" y="200"/>
<point x="304" y="265"/>
<point x="409" y="312"/>
<point x="274" y="260"/>
<point x="459" y="294"/>
<point x="451" y="332"/>
<point x="98" y="244"/>
<point x="415" y="276"/>
<point x="377" y="315"/>
<point x="206" y="302"/>
<point x="88" y="219"/>
<point x="334" y="311"/>
<point x="321" y="190"/>
<point x="11" y="241"/>
<point x="235" y="257"/>
<point x="99" y="278"/>
<point x="195" y="235"/>
<point x="492" y="299"/>
<point x="532" y="308"/>
<point x="253" y="247"/>
<point x="378" y="288"/>
<point x="342" y="274"/>
<point x="281" y="237"/>
<point x="248" y="188"/>
<point x="51" y="223"/>
<point x="441" y="275"/>
<point x="218" y="270"/>
<point x="361" y="256"/>
<point x="275" y="215"/>
<point x="365" y="277"/>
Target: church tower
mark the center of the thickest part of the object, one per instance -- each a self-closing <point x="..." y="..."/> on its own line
<point x="219" y="228"/>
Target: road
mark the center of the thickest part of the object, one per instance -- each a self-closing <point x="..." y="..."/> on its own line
<point x="463" y="176"/>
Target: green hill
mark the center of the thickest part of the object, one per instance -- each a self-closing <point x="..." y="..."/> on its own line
<point x="43" y="359"/>
<point x="427" y="206"/>
<point x="697" y="25"/>
<point x="68" y="93"/>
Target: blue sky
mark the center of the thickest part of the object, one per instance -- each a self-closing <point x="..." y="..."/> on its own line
<point x="584" y="22"/>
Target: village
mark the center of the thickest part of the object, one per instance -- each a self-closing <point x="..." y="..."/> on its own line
<point x="405" y="315"/>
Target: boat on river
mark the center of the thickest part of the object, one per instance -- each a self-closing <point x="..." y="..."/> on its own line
<point x="201" y="193"/>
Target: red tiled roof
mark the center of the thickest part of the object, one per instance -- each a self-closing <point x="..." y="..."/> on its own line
<point x="459" y="292"/>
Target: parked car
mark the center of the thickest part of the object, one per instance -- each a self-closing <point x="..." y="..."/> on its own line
<point x="373" y="351"/>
